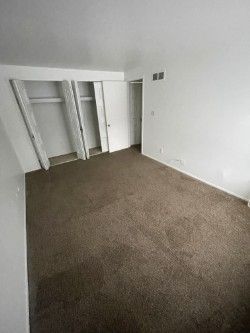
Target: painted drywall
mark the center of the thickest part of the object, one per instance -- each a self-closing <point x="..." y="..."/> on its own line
<point x="11" y="115"/>
<point x="54" y="128"/>
<point x="198" y="119"/>
<point x="13" y="260"/>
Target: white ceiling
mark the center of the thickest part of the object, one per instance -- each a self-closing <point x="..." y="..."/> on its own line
<point x="115" y="34"/>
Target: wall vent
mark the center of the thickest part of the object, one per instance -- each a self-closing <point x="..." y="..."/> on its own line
<point x="155" y="76"/>
<point x="161" y="76"/>
<point x="158" y="76"/>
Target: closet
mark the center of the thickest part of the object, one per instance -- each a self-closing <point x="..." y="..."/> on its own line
<point x="90" y="106"/>
<point x="50" y="114"/>
<point x="67" y="120"/>
<point x="54" y="130"/>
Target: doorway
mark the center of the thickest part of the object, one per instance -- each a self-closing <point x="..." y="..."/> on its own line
<point x="135" y="112"/>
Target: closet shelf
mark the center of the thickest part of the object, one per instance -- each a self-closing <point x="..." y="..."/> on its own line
<point x="36" y="100"/>
<point x="46" y="100"/>
<point x="86" y="98"/>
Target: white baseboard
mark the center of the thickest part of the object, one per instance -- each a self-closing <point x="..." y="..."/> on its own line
<point x="200" y="179"/>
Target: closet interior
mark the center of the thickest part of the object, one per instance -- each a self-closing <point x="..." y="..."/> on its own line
<point x="65" y="119"/>
<point x="90" y="106"/>
<point x="49" y="111"/>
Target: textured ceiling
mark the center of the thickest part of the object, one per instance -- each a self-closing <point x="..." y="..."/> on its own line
<point x="115" y="34"/>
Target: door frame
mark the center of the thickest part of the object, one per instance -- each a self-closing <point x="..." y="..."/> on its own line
<point x="141" y="77"/>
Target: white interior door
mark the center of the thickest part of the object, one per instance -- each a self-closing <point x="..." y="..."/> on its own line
<point x="116" y="108"/>
<point x="27" y="112"/>
<point x="73" y="118"/>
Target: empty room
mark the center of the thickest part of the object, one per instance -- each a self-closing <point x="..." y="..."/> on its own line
<point x="125" y="166"/>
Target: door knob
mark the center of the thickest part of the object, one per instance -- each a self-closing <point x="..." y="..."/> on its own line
<point x="108" y="125"/>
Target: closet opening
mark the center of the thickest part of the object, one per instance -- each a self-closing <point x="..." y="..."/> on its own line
<point x="49" y="111"/>
<point x="89" y="110"/>
<point x="135" y="108"/>
<point x="65" y="120"/>
<point x="92" y="118"/>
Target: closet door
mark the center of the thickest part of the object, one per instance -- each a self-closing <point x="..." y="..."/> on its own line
<point x="27" y="112"/>
<point x="116" y="108"/>
<point x="102" y="122"/>
<point x="80" y="116"/>
<point x="73" y="118"/>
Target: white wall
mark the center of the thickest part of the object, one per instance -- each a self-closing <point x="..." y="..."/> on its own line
<point x="201" y="116"/>
<point x="11" y="115"/>
<point x="13" y="260"/>
<point x="54" y="128"/>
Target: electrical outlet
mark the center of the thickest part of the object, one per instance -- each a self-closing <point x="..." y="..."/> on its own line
<point x="178" y="160"/>
<point x="161" y="150"/>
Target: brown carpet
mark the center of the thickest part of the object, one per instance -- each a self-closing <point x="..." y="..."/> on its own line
<point x="121" y="243"/>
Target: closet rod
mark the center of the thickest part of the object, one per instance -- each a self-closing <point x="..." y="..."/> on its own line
<point x="135" y="82"/>
<point x="57" y="99"/>
<point x="46" y="100"/>
<point x="86" y="98"/>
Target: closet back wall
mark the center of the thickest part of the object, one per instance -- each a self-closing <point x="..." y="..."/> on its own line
<point x="51" y="117"/>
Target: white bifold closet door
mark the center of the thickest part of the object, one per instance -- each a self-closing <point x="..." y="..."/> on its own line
<point x="27" y="112"/>
<point x="81" y="117"/>
<point x="73" y="119"/>
<point x="116" y="107"/>
<point x="102" y="122"/>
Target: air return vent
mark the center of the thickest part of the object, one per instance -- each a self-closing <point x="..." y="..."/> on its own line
<point x="158" y="76"/>
<point x="161" y="76"/>
<point x="155" y="76"/>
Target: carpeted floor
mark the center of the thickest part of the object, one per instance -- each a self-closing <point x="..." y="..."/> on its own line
<point x="121" y="243"/>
